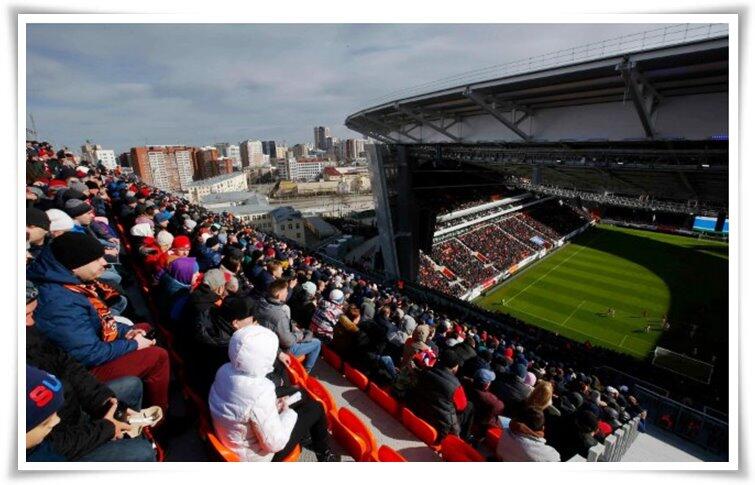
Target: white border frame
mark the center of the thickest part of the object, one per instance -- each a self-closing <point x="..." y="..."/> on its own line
<point x="734" y="216"/>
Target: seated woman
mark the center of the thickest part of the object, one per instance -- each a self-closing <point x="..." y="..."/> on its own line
<point x="175" y="285"/>
<point x="248" y="417"/>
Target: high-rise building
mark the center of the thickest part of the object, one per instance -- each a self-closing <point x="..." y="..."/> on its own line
<point x="322" y="133"/>
<point x="268" y="148"/>
<point x="107" y="157"/>
<point x="300" y="151"/>
<point x="168" y="167"/>
<point x="280" y="152"/>
<point x="204" y="163"/>
<point x="251" y="153"/>
<point x="231" y="151"/>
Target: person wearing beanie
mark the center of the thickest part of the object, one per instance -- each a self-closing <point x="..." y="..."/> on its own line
<point x="44" y="397"/>
<point x="440" y="399"/>
<point x="208" y="255"/>
<point x="37" y="227"/>
<point x="128" y="210"/>
<point x="73" y="313"/>
<point x="162" y="219"/>
<point x="511" y="388"/>
<point x="80" y="212"/>
<point x="487" y="407"/>
<point x="326" y="315"/>
<point x="524" y="439"/>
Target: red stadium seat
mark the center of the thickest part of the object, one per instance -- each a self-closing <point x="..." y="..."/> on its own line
<point x="332" y="358"/>
<point x="492" y="437"/>
<point x="355" y="377"/>
<point x="297" y="372"/>
<point x="354" y="445"/>
<point x="223" y="452"/>
<point x="453" y="448"/>
<point x="388" y="454"/>
<point x="420" y="428"/>
<point x="318" y="392"/>
<point x="383" y="399"/>
<point x="294" y="455"/>
<point x="357" y="426"/>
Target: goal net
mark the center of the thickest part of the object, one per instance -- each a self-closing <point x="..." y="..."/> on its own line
<point x="683" y="365"/>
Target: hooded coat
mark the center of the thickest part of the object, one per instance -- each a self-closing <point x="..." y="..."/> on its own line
<point x="68" y="319"/>
<point x="520" y="443"/>
<point x="243" y="401"/>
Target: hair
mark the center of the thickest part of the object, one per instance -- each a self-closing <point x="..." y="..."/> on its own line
<point x="541" y="395"/>
<point x="273" y="265"/>
<point x="533" y="418"/>
<point x="276" y="286"/>
<point x="353" y="312"/>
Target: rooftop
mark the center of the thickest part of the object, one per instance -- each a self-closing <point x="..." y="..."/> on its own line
<point x="217" y="179"/>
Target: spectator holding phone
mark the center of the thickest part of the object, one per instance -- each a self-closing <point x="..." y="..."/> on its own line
<point x="248" y="417"/>
<point x="73" y="314"/>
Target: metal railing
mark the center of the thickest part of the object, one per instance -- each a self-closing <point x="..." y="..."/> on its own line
<point x="704" y="430"/>
<point x="659" y="37"/>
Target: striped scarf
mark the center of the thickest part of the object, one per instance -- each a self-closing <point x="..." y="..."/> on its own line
<point x="97" y="293"/>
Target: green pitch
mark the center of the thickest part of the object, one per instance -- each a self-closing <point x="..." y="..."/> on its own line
<point x="630" y="271"/>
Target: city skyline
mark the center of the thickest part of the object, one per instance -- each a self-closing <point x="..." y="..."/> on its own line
<point x="124" y="85"/>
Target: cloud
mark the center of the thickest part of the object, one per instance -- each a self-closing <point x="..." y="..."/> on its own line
<point x="120" y="84"/>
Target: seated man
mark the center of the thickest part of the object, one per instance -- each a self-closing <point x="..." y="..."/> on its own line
<point x="440" y="399"/>
<point x="273" y="313"/>
<point x="73" y="314"/>
<point x="44" y="397"/>
<point x="248" y="416"/>
<point x="524" y="439"/>
<point x="86" y="429"/>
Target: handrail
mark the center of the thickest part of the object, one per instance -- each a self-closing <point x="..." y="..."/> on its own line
<point x="654" y="38"/>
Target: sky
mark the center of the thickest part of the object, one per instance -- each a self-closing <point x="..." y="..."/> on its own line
<point x="125" y="85"/>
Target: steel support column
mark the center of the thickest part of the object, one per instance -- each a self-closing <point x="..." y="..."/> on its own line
<point x="511" y="125"/>
<point x="644" y="97"/>
<point x="420" y="118"/>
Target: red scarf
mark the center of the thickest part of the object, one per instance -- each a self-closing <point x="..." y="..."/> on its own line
<point x="97" y="293"/>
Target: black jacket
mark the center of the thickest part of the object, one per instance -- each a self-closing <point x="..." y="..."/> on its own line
<point x="512" y="391"/>
<point x="81" y="428"/>
<point x="432" y="399"/>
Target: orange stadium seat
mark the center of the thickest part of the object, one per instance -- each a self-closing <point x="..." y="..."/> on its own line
<point x="294" y="455"/>
<point x="354" y="445"/>
<point x="332" y="358"/>
<point x="221" y="450"/>
<point x="383" y="399"/>
<point x="453" y="448"/>
<point x="320" y="393"/>
<point x="357" y="426"/>
<point x="388" y="454"/>
<point x="419" y="427"/>
<point x="297" y="372"/>
<point x="355" y="377"/>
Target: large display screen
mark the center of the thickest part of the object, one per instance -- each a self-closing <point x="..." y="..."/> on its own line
<point x="708" y="224"/>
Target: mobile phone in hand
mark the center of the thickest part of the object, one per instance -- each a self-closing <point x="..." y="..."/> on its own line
<point x="120" y="412"/>
<point x="150" y="335"/>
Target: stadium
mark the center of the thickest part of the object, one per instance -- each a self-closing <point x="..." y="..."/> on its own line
<point x="551" y="284"/>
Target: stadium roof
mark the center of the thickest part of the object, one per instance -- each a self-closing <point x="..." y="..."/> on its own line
<point x="644" y="78"/>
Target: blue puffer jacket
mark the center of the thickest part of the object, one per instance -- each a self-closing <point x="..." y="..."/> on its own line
<point x="68" y="319"/>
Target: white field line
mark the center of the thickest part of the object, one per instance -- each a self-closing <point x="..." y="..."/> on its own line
<point x="550" y="270"/>
<point x="572" y="313"/>
<point x="590" y="337"/>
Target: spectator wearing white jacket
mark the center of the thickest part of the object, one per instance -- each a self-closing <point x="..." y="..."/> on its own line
<point x="248" y="417"/>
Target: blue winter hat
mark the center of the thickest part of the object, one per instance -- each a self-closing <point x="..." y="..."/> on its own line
<point x="484" y="375"/>
<point x="44" y="396"/>
<point x="161" y="217"/>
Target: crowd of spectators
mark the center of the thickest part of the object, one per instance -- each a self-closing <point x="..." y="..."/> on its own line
<point x="452" y="254"/>
<point x="493" y="243"/>
<point x="243" y="300"/>
<point x="433" y="278"/>
<point x="470" y="217"/>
